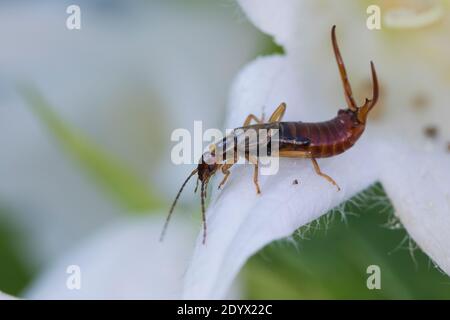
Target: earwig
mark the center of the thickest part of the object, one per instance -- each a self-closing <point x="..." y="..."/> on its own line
<point x="295" y="140"/>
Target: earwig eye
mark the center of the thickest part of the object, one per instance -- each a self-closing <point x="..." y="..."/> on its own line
<point x="209" y="158"/>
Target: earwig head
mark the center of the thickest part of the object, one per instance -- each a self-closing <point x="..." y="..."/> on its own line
<point x="207" y="166"/>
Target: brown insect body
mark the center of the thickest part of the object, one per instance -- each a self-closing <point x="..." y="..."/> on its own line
<point x="319" y="139"/>
<point x="295" y="139"/>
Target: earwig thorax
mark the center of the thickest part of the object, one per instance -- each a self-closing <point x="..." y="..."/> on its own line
<point x="207" y="166"/>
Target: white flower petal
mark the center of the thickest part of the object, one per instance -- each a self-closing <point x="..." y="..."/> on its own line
<point x="4" y="296"/>
<point x="241" y="222"/>
<point x="277" y="18"/>
<point x="124" y="261"/>
<point x="299" y="24"/>
<point x="419" y="187"/>
<point x="266" y="82"/>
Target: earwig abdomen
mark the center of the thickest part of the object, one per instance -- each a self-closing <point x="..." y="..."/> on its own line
<point x="326" y="139"/>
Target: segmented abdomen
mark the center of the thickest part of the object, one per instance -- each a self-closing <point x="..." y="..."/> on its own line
<point x="326" y="139"/>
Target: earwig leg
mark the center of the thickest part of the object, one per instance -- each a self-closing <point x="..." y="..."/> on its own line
<point x="278" y="114"/>
<point x="320" y="173"/>
<point x="249" y="119"/>
<point x="255" y="179"/>
<point x="227" y="173"/>
<point x="254" y="161"/>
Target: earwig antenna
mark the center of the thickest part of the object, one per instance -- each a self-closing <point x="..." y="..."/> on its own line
<point x="202" y="196"/>
<point x="196" y="185"/>
<point x="174" y="203"/>
<point x="347" y="88"/>
<point x="206" y="189"/>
